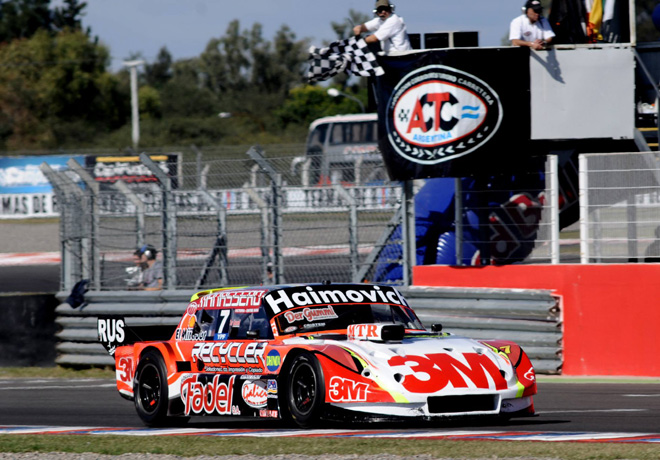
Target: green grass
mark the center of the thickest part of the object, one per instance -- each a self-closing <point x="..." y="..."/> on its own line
<point x="188" y="446"/>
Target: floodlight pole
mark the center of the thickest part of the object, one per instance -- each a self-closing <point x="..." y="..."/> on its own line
<point x="135" y="113"/>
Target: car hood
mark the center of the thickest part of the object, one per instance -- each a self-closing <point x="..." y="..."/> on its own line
<point x="432" y="365"/>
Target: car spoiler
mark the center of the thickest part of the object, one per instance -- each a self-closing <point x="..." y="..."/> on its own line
<point x="113" y="332"/>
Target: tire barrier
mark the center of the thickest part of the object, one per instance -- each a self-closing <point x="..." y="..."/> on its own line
<point x="529" y="317"/>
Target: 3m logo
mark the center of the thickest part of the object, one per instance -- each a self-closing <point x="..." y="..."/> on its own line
<point x="433" y="372"/>
<point x="439" y="113"/>
<point x="346" y="390"/>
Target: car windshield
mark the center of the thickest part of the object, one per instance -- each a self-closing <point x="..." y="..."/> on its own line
<point x="230" y="323"/>
<point x="333" y="317"/>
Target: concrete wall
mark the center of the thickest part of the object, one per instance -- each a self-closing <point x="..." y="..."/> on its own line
<point x="27" y="330"/>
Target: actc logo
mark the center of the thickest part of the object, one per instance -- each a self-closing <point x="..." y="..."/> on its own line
<point x="438" y="113"/>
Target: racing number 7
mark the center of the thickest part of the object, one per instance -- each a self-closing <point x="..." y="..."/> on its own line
<point x="224" y="314"/>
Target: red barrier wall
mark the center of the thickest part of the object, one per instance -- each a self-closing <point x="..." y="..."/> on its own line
<point x="611" y="313"/>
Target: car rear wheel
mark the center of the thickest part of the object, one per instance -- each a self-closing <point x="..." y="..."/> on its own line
<point x="150" y="390"/>
<point x="305" y="392"/>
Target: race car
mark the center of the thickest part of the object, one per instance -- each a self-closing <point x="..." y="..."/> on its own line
<point x="314" y="352"/>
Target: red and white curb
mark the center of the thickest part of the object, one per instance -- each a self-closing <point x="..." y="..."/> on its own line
<point x="547" y="436"/>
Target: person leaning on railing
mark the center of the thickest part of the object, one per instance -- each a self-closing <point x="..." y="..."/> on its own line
<point x="531" y="28"/>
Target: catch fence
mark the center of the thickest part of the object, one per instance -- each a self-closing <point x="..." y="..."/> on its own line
<point x="620" y="207"/>
<point x="262" y="219"/>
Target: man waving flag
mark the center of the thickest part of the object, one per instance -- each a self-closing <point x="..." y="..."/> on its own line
<point x="350" y="55"/>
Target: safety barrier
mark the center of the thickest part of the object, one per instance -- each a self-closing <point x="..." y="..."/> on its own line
<point x="530" y="318"/>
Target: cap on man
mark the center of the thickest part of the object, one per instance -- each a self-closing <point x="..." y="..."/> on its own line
<point x="531" y="28"/>
<point x="388" y="29"/>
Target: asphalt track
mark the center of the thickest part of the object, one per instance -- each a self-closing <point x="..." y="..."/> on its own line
<point x="584" y="411"/>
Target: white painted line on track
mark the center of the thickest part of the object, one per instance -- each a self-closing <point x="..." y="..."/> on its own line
<point x="577" y="411"/>
<point x="59" y="387"/>
<point x="556" y="436"/>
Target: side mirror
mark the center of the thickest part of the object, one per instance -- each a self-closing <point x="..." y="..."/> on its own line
<point x="437" y="327"/>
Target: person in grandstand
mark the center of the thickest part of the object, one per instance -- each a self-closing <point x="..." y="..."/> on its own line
<point x="531" y="28"/>
<point x="149" y="276"/>
<point x="388" y="29"/>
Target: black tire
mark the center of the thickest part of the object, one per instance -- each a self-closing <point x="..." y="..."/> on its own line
<point x="150" y="389"/>
<point x="305" y="391"/>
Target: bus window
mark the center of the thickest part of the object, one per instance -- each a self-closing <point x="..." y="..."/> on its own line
<point x="317" y="137"/>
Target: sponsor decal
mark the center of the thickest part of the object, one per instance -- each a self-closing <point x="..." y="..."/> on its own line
<point x="438" y="113"/>
<point x="272" y="387"/>
<point x="273" y="361"/>
<point x="310" y="314"/>
<point x="214" y="397"/>
<point x="347" y="390"/>
<point x="434" y="372"/>
<point x="254" y="393"/>
<point x="309" y="295"/>
<point x="111" y="332"/>
<point x="267" y="413"/>
<point x="530" y="375"/>
<point x="363" y="331"/>
<point x="192" y="308"/>
<point x="250" y="299"/>
<point x="239" y="357"/>
<point x="189" y="334"/>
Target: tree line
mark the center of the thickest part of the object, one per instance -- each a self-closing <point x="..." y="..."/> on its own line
<point x="56" y="89"/>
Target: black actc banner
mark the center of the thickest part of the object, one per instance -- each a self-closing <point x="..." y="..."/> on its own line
<point x="453" y="113"/>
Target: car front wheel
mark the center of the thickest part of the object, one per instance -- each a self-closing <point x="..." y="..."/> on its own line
<point x="305" y="393"/>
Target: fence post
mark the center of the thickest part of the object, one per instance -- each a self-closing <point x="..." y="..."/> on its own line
<point x="554" y="209"/>
<point x="458" y="219"/>
<point x="220" y="247"/>
<point x="92" y="195"/>
<point x="583" y="187"/>
<point x="408" y="224"/>
<point x="70" y="234"/>
<point x="168" y="222"/>
<point x="352" y="229"/>
<point x="265" y="231"/>
<point x="140" y="211"/>
<point x="276" y="187"/>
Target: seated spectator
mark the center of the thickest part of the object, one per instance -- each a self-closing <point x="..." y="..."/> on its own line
<point x="150" y="277"/>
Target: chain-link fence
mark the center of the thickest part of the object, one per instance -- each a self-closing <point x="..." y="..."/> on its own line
<point x="259" y="219"/>
<point x="219" y="222"/>
<point x="620" y="207"/>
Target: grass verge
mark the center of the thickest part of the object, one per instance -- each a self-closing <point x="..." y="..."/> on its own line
<point x="189" y="446"/>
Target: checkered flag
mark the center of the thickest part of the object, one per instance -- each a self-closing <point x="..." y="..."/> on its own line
<point x="351" y="55"/>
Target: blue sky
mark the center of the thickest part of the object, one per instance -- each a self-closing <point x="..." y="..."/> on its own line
<point x="185" y="26"/>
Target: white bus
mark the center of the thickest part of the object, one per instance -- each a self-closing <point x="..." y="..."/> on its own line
<point x="344" y="149"/>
